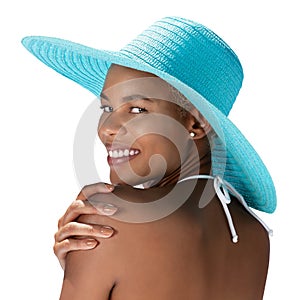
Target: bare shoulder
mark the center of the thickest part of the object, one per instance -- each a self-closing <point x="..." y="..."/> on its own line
<point x="187" y="254"/>
<point x="243" y="264"/>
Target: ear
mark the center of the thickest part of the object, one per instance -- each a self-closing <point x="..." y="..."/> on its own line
<point x="197" y="125"/>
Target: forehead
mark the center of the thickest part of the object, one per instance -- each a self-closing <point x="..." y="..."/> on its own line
<point x="118" y="74"/>
<point x="123" y="83"/>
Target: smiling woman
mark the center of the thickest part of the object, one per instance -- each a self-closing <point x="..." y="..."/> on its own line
<point x="140" y="133"/>
<point x="165" y="98"/>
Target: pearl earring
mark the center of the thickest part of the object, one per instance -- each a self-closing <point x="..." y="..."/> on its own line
<point x="192" y="134"/>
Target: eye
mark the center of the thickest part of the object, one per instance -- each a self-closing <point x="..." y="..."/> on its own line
<point x="137" y="110"/>
<point x="106" y="108"/>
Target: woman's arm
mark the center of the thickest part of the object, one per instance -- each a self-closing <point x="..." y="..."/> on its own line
<point x="90" y="274"/>
<point x="93" y="274"/>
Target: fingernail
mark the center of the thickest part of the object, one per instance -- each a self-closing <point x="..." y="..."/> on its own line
<point x="91" y="243"/>
<point x="106" y="230"/>
<point x="109" y="186"/>
<point x="109" y="209"/>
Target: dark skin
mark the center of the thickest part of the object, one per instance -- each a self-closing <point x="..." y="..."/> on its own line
<point x="187" y="254"/>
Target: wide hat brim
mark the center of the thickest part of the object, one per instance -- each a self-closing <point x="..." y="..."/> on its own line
<point x="87" y="66"/>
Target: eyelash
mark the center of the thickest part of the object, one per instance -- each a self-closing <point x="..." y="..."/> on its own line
<point x="104" y="107"/>
<point x="110" y="109"/>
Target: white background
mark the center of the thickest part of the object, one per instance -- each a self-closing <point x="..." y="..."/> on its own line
<point x="40" y="111"/>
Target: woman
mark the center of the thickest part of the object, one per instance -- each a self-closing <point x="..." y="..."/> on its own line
<point x="165" y="99"/>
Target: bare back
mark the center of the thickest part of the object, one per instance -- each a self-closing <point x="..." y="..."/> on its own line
<point x="186" y="255"/>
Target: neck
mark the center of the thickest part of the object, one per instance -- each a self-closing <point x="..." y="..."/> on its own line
<point x="189" y="167"/>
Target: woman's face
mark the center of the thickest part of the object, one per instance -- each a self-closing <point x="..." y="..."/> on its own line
<point x="145" y="135"/>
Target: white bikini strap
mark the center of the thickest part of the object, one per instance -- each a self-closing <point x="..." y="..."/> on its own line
<point x="241" y="199"/>
<point x="223" y="190"/>
<point x="200" y="176"/>
<point x="224" y="197"/>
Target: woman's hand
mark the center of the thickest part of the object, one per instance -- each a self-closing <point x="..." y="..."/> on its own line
<point x="72" y="235"/>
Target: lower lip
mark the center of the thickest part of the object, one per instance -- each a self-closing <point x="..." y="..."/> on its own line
<point x="112" y="161"/>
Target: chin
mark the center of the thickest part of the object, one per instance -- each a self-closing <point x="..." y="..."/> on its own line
<point x="145" y="181"/>
<point x="116" y="180"/>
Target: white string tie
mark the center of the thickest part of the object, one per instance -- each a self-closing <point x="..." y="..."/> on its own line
<point x="223" y="190"/>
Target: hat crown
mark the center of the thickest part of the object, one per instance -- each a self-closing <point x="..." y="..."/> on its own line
<point x="194" y="55"/>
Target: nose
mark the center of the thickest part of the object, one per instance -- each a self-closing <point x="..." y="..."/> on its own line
<point x="109" y="126"/>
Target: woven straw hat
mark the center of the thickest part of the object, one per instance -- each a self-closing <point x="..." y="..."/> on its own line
<point x="200" y="65"/>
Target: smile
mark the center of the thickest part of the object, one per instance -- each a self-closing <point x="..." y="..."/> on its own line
<point x="122" y="153"/>
<point x="118" y="156"/>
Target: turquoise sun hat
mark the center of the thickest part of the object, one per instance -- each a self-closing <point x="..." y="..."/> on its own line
<point x="200" y="65"/>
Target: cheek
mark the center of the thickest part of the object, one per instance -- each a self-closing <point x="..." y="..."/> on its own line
<point x="161" y="126"/>
<point x="160" y="154"/>
<point x="163" y="140"/>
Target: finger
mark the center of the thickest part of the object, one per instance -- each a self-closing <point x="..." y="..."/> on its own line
<point x="77" y="208"/>
<point x="81" y="207"/>
<point x="62" y="248"/>
<point x="60" y="222"/>
<point x="91" y="189"/>
<point x="83" y="230"/>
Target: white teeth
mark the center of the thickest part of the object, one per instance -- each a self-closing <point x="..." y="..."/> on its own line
<point x="121" y="153"/>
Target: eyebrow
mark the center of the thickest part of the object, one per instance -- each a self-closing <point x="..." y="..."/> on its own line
<point x="129" y="98"/>
<point x="136" y="97"/>
<point x="102" y="95"/>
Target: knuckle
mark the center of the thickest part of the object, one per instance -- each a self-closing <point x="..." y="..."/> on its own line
<point x="56" y="236"/>
<point x="59" y="222"/>
<point x="77" y="204"/>
<point x="70" y="228"/>
<point x="66" y="244"/>
<point x="84" y="190"/>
